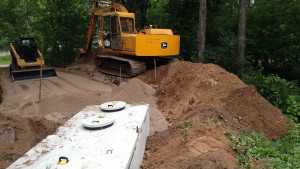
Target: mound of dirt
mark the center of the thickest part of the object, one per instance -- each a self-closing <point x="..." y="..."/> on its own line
<point x="212" y="101"/>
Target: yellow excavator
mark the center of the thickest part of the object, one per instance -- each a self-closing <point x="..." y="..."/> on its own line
<point x="27" y="61"/>
<point x="121" y="48"/>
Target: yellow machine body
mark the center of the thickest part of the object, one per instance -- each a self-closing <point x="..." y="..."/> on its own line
<point x="120" y="43"/>
<point x="27" y="61"/>
<point x="22" y="63"/>
<point x="147" y="45"/>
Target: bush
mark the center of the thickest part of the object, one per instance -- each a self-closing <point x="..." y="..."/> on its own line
<point x="224" y="53"/>
<point x="280" y="92"/>
<point x="293" y="108"/>
<point x="283" y="153"/>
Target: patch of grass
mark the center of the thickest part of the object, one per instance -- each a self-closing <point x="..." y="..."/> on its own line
<point x="184" y="128"/>
<point x="214" y="121"/>
<point x="5" y="60"/>
<point x="283" y="153"/>
<point x="280" y="92"/>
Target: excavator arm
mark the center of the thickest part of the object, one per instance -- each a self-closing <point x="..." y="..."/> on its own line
<point x="105" y="7"/>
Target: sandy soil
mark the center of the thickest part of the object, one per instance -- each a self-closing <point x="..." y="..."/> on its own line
<point x="191" y="106"/>
<point x="24" y="122"/>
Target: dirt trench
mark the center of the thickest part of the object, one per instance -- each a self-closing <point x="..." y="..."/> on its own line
<point x="191" y="106"/>
<point x="24" y="121"/>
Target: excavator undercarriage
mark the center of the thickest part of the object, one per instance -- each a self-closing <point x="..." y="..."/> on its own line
<point x="120" y="66"/>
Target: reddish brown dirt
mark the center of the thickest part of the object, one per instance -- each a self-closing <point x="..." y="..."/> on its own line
<point x="214" y="101"/>
<point x="200" y="101"/>
<point x="28" y="131"/>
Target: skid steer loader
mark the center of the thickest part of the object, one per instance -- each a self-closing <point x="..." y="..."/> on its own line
<point x="27" y="61"/>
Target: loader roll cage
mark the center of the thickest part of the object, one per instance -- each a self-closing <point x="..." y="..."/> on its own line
<point x="27" y="49"/>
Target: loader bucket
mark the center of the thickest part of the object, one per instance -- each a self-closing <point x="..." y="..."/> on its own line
<point x="30" y="74"/>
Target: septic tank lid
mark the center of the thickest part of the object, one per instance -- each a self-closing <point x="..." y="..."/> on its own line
<point x="113" y="106"/>
<point x="97" y="122"/>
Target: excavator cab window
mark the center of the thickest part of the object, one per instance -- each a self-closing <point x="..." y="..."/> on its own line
<point x="112" y="32"/>
<point x="116" y="38"/>
<point x="114" y="24"/>
<point x="127" y="25"/>
<point x="106" y="34"/>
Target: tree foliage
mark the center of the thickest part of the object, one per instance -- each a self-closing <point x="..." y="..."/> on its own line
<point x="274" y="37"/>
<point x="280" y="92"/>
<point x="60" y="26"/>
<point x="139" y="7"/>
<point x="11" y="21"/>
<point x="272" y="34"/>
<point x="183" y="20"/>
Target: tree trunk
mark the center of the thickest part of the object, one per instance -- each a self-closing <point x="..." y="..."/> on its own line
<point x="27" y="25"/>
<point x="202" y="30"/>
<point x="143" y="12"/>
<point x="242" y="34"/>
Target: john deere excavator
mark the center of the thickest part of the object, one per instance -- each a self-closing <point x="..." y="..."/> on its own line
<point x="27" y="61"/>
<point x="121" y="48"/>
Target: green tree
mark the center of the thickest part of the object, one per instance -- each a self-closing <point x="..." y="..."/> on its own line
<point x="202" y="30"/>
<point x="183" y="20"/>
<point x="61" y="27"/>
<point x="274" y="36"/>
<point x="12" y="22"/>
<point x="242" y="34"/>
<point x="222" y="41"/>
<point x="139" y="7"/>
<point x="157" y="14"/>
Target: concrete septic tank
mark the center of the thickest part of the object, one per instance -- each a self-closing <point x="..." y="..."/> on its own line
<point x="120" y="144"/>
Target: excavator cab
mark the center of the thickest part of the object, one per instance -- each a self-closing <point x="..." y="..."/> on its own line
<point x="113" y="25"/>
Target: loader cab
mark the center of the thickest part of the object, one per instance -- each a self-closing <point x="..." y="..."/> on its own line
<point x="112" y="26"/>
<point x="27" y="49"/>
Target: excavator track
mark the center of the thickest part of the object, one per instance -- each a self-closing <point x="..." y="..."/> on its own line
<point x="117" y="65"/>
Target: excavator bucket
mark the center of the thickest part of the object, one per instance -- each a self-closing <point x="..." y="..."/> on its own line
<point x="31" y="74"/>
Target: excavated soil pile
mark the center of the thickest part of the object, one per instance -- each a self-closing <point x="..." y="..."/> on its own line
<point x="202" y="101"/>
